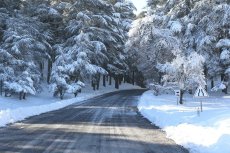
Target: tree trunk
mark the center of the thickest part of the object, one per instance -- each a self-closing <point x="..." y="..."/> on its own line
<point x="1" y="87"/>
<point x="104" y="80"/>
<point x="206" y="75"/>
<point x="212" y="83"/>
<point x="98" y="81"/>
<point x="61" y="94"/>
<point x="133" y="79"/>
<point x="159" y="79"/>
<point x="224" y="79"/>
<point x="5" y="93"/>
<point x="128" y="78"/>
<point x="120" y="79"/>
<point x="116" y="82"/>
<point x="181" y="96"/>
<point x="41" y="69"/>
<point x="92" y="84"/>
<point x="20" y="95"/>
<point x="110" y="80"/>
<point x="226" y="90"/>
<point x="75" y="94"/>
<point x="77" y="79"/>
<point x="50" y="64"/>
<point x="24" y="95"/>
<point x="190" y="91"/>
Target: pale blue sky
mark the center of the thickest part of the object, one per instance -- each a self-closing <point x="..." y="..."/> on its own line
<point x="139" y="4"/>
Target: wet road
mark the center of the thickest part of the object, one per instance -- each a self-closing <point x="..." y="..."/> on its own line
<point x="105" y="124"/>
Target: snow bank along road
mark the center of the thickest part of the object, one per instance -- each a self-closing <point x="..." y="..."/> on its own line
<point x="105" y="124"/>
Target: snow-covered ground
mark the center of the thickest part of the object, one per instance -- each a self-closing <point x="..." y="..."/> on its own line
<point x="12" y="109"/>
<point x="207" y="132"/>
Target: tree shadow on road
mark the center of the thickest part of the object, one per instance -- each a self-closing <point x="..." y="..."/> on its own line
<point x="60" y="141"/>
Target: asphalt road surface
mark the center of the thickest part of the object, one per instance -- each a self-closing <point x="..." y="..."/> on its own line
<point x="105" y="124"/>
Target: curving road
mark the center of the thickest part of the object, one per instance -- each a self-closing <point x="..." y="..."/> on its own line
<point x="105" y="124"/>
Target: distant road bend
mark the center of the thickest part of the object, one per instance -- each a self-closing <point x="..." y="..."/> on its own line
<point x="105" y="124"/>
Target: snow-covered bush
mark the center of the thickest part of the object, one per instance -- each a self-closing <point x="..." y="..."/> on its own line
<point x="70" y="66"/>
<point x="159" y="89"/>
<point x="22" y="85"/>
<point x="75" y="88"/>
<point x="59" y="81"/>
<point x="220" y="86"/>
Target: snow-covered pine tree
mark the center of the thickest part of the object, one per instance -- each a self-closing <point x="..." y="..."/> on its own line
<point x="81" y="29"/>
<point x="207" y="27"/>
<point x="73" y="63"/>
<point x="4" y="14"/>
<point x="199" y="26"/>
<point x="151" y="44"/>
<point x="186" y="71"/>
<point x="124" y="13"/>
<point x="50" y="13"/>
<point x="95" y="29"/>
<point x="10" y="5"/>
<point x="24" y="41"/>
<point x="4" y="69"/>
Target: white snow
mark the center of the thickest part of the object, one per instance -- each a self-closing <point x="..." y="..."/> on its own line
<point x="225" y="54"/>
<point x="219" y="86"/>
<point x="200" y="132"/>
<point x="13" y="110"/>
<point x="175" y="26"/>
<point x="223" y="43"/>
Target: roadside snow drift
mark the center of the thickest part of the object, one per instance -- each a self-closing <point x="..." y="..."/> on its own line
<point x="200" y="132"/>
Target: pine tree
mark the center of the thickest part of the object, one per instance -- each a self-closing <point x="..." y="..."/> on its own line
<point x="198" y="26"/>
<point x="186" y="71"/>
<point x="95" y="29"/>
<point x="24" y="43"/>
<point x="150" y="45"/>
<point x="52" y="18"/>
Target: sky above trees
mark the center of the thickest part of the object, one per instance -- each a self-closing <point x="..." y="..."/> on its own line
<point x="139" y="4"/>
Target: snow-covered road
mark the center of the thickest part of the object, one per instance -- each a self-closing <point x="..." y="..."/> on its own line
<point x="105" y="124"/>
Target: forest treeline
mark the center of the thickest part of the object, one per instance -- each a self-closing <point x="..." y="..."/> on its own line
<point x="63" y="42"/>
<point x="185" y="42"/>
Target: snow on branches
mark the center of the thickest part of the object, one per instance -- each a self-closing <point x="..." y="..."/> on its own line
<point x="187" y="71"/>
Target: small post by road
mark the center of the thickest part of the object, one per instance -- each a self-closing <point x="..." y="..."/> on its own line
<point x="198" y="111"/>
<point x="177" y="94"/>
<point x="1" y="87"/>
<point x="201" y="106"/>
